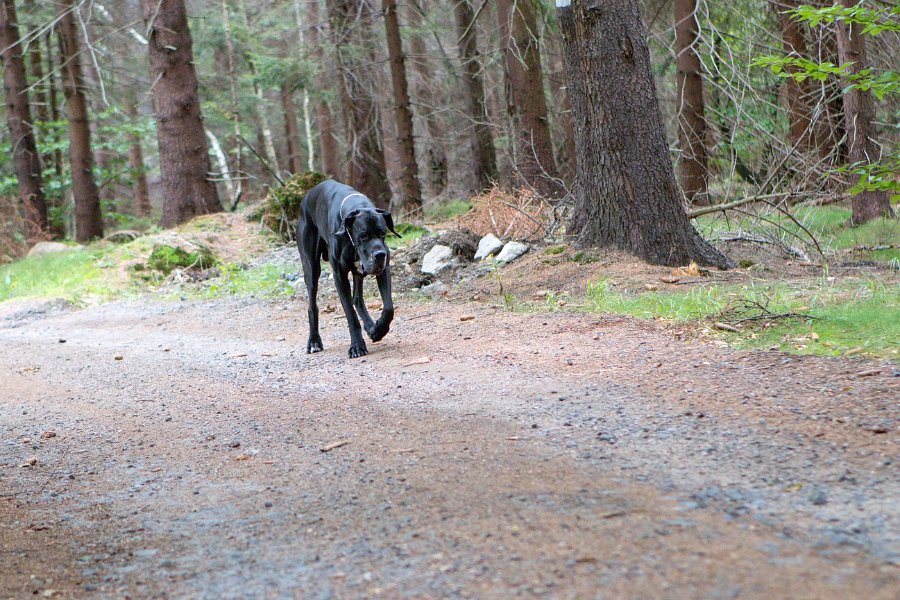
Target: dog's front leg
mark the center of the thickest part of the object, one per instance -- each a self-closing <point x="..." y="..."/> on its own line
<point x="342" y="283"/>
<point x="387" y="311"/>
<point x="360" y="301"/>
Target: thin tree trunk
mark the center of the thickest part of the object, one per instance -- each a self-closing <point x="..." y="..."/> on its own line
<point x="410" y="191"/>
<point x="215" y="148"/>
<point x="36" y="64"/>
<point x="237" y="169"/>
<point x="526" y="103"/>
<point x="426" y="94"/>
<point x="307" y="121"/>
<point x="88" y="217"/>
<point x="18" y="116"/>
<point x="183" y="154"/>
<point x="328" y="143"/>
<point x="625" y="191"/>
<point x="54" y="100"/>
<point x="692" y="168"/>
<point x="859" y="116"/>
<point x="794" y="42"/>
<point x="141" y="206"/>
<point x="484" y="155"/>
<point x="291" y="133"/>
<point x="366" y="166"/>
<point x="264" y="125"/>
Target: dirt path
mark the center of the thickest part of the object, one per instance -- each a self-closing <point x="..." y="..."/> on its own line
<point x="552" y="456"/>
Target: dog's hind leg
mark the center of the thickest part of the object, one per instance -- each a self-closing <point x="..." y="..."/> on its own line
<point x="383" y="325"/>
<point x="310" y="253"/>
<point x="342" y="283"/>
<point x="360" y="301"/>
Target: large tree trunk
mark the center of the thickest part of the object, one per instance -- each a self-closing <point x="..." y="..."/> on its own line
<point x="427" y="95"/>
<point x="625" y="190"/>
<point x="88" y="218"/>
<point x="691" y="119"/>
<point x="410" y="191"/>
<point x="526" y="104"/>
<point x="183" y="155"/>
<point x="291" y="131"/>
<point x="328" y="143"/>
<point x="18" y="116"/>
<point x="357" y="76"/>
<point x="484" y="155"/>
<point x="859" y="116"/>
<point x="136" y="166"/>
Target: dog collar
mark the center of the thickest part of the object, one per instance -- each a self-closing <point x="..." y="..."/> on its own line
<point x="341" y="214"/>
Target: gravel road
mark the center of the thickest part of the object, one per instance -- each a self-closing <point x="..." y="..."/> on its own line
<point x="152" y="449"/>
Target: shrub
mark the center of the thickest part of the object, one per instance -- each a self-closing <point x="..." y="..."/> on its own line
<point x="282" y="206"/>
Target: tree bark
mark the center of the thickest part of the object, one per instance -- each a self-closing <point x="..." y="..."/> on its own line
<point x="793" y="41"/>
<point x="237" y="148"/>
<point x="54" y="100"/>
<point x="88" y="218"/>
<point x="426" y="94"/>
<point x="357" y="77"/>
<point x="307" y="121"/>
<point x="265" y="127"/>
<point x="291" y="131"/>
<point x="328" y="143"/>
<point x="410" y="191"/>
<point x="136" y="165"/>
<point x="183" y="154"/>
<point x="484" y="155"/>
<point x="625" y="189"/>
<point x="859" y="116"/>
<point x="526" y="103"/>
<point x="18" y="116"/>
<point x="692" y="168"/>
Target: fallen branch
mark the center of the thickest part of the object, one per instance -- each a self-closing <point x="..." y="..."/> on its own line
<point x="705" y="210"/>
<point x="333" y="445"/>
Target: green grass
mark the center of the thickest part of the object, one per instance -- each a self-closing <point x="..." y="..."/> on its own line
<point x="828" y="224"/>
<point x="265" y="281"/>
<point x="408" y="233"/>
<point x="77" y="276"/>
<point x="851" y="314"/>
<point x="445" y="211"/>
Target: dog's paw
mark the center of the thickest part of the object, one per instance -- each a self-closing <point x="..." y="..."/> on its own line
<point x="314" y="346"/>
<point x="379" y="331"/>
<point x="357" y="350"/>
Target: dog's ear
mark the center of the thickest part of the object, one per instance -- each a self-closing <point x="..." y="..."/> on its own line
<point x="348" y="221"/>
<point x="388" y="220"/>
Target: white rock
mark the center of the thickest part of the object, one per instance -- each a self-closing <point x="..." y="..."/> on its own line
<point x="437" y="259"/>
<point x="512" y="251"/>
<point x="42" y="248"/>
<point x="488" y="246"/>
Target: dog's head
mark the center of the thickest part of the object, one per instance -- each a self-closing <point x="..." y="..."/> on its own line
<point x="367" y="230"/>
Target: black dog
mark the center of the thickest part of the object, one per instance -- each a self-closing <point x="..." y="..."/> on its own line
<point x="342" y="226"/>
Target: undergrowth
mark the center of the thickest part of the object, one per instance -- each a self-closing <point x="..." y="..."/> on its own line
<point x="826" y="317"/>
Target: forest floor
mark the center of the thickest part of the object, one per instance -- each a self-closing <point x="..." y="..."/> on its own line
<point x="192" y="449"/>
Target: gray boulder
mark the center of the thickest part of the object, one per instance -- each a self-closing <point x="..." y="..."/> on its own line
<point x="488" y="246"/>
<point x="437" y="259"/>
<point x="511" y="251"/>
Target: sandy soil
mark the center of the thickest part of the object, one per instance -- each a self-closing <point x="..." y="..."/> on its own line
<point x="175" y="450"/>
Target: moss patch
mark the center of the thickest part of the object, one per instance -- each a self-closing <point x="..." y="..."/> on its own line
<point x="166" y="258"/>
